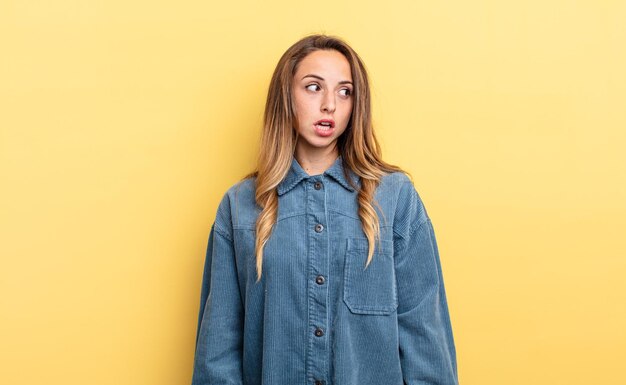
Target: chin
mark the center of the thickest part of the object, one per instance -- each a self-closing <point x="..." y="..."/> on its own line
<point x="321" y="143"/>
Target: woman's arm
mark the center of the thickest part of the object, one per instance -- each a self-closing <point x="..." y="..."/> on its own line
<point x="427" y="351"/>
<point x="219" y="340"/>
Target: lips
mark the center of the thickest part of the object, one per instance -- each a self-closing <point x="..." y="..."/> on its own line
<point x="324" y="127"/>
<point x="325" y="123"/>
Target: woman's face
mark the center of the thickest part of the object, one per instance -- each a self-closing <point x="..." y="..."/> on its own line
<point x="322" y="92"/>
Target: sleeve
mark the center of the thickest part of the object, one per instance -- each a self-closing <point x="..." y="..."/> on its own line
<point x="219" y="338"/>
<point x="426" y="344"/>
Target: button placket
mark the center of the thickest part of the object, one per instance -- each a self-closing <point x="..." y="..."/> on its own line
<point x="317" y="364"/>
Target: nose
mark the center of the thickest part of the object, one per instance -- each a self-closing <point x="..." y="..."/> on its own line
<point x="328" y="102"/>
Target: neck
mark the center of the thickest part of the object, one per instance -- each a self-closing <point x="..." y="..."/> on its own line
<point x="316" y="162"/>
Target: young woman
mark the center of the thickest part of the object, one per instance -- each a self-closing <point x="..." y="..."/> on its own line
<point x="322" y="265"/>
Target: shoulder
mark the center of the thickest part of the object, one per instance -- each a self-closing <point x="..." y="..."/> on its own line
<point x="394" y="180"/>
<point x="408" y="207"/>
<point x="399" y="185"/>
<point x="242" y="190"/>
<point x="237" y="206"/>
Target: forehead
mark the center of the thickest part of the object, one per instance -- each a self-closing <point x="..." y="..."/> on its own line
<point x="325" y="63"/>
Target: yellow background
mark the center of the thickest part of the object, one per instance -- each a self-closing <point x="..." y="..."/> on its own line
<point x="123" y="123"/>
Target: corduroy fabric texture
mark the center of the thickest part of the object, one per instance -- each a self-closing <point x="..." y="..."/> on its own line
<point x="318" y="316"/>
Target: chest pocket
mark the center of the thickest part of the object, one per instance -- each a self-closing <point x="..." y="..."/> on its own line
<point x="370" y="290"/>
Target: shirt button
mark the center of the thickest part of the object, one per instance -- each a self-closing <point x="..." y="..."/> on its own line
<point x="319" y="280"/>
<point x="318" y="185"/>
<point x="319" y="228"/>
<point x="319" y="382"/>
<point x="319" y="332"/>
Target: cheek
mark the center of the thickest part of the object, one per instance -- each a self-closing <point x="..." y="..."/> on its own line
<point x="347" y="112"/>
<point x="302" y="106"/>
<point x="302" y="110"/>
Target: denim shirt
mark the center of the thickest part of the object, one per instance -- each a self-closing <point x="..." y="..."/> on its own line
<point x="318" y="316"/>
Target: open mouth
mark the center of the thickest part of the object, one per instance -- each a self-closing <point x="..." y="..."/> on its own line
<point x="325" y="124"/>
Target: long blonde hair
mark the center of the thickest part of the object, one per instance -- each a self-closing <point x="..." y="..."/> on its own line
<point x="358" y="145"/>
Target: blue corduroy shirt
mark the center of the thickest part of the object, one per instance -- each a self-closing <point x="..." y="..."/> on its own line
<point x="318" y="316"/>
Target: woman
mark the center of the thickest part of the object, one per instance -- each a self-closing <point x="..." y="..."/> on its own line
<point x="322" y="265"/>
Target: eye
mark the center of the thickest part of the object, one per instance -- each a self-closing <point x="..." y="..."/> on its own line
<point x="312" y="85"/>
<point x="346" y="91"/>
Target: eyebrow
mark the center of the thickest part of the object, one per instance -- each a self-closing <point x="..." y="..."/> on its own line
<point x="321" y="78"/>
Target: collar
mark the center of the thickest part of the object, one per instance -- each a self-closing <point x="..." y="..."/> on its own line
<point x="296" y="174"/>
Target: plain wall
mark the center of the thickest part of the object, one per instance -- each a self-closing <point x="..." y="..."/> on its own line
<point x="123" y="123"/>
